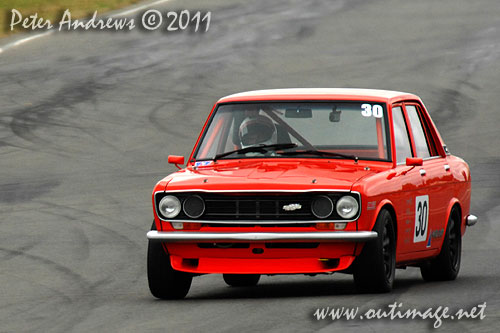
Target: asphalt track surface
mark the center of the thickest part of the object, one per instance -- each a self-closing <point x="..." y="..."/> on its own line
<point x="87" y="121"/>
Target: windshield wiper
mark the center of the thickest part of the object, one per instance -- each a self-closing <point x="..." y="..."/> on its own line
<point x="318" y="153"/>
<point x="262" y="148"/>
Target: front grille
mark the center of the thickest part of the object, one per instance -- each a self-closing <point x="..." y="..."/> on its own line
<point x="256" y="207"/>
<point x="248" y="207"/>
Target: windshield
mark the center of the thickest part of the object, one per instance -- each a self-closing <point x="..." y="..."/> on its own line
<point x="297" y="129"/>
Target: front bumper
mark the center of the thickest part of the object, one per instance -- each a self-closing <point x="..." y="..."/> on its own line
<point x="336" y="236"/>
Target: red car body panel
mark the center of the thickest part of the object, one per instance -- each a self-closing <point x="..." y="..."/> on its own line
<point x="381" y="185"/>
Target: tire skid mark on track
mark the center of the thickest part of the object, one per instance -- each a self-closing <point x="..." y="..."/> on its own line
<point x="81" y="247"/>
<point x="17" y="252"/>
<point x="129" y="246"/>
<point x="165" y="127"/>
<point x="23" y="77"/>
<point x="24" y="191"/>
<point x="54" y="292"/>
<point x="48" y="262"/>
<point x="455" y="105"/>
<point x="46" y="113"/>
<point x="86" y="212"/>
<point x="71" y="317"/>
<point x="100" y="138"/>
<point x="55" y="111"/>
<point x="123" y="221"/>
<point x="112" y="233"/>
<point x="132" y="248"/>
<point x="480" y="49"/>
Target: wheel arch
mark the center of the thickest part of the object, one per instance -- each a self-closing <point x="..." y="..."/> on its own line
<point x="389" y="206"/>
<point x="374" y="267"/>
<point x="455" y="203"/>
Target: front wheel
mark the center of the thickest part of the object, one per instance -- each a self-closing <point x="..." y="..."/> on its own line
<point x="375" y="267"/>
<point x="446" y="265"/>
<point x="241" y="280"/>
<point x="164" y="281"/>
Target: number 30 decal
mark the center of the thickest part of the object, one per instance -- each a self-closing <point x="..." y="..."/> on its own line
<point x="372" y="110"/>
<point x="421" y="218"/>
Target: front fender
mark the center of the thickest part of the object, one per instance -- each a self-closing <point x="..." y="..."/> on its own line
<point x="371" y="213"/>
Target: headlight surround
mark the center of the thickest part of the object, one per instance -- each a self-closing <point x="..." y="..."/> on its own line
<point x="194" y="206"/>
<point x="169" y="206"/>
<point x="322" y="206"/>
<point x="347" y="207"/>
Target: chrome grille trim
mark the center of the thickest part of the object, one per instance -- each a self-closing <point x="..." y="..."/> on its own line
<point x="258" y="207"/>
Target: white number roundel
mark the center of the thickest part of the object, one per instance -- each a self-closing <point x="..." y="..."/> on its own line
<point x="421" y="218"/>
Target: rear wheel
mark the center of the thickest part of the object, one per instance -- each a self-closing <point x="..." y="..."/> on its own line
<point x="164" y="281"/>
<point x="375" y="267"/>
<point x="241" y="280"/>
<point x="447" y="264"/>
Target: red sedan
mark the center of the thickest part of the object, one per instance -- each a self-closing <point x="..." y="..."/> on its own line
<point x="307" y="181"/>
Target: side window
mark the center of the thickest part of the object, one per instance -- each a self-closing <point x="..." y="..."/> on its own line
<point x="403" y="148"/>
<point x="418" y="132"/>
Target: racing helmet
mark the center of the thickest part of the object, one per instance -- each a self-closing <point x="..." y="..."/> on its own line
<point x="257" y="130"/>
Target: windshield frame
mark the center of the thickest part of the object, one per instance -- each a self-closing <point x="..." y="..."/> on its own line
<point x="206" y="128"/>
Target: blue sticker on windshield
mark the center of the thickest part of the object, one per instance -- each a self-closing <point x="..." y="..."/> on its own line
<point x="203" y="163"/>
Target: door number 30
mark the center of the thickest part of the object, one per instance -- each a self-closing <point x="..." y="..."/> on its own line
<point x="372" y="110"/>
<point x="421" y="218"/>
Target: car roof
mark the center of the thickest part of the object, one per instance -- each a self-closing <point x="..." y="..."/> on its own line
<point x="319" y="94"/>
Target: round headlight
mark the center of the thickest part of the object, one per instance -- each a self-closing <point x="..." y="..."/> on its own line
<point x="347" y="207"/>
<point x="322" y="206"/>
<point x="194" y="206"/>
<point x="169" y="206"/>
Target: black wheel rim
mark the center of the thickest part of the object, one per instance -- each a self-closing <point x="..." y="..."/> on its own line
<point x="453" y="241"/>
<point x="387" y="251"/>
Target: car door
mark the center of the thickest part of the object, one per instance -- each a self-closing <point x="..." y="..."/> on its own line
<point x="409" y="181"/>
<point x="431" y="204"/>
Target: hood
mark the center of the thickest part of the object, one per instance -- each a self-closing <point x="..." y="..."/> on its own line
<point x="248" y="175"/>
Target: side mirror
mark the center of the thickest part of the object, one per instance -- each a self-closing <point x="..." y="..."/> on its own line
<point x="414" y="161"/>
<point x="174" y="159"/>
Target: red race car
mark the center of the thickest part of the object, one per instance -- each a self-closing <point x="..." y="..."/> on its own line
<point x="307" y="181"/>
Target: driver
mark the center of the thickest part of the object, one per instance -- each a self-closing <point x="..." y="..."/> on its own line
<point x="257" y="129"/>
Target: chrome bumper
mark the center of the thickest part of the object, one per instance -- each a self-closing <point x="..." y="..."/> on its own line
<point x="470" y="220"/>
<point x="336" y="236"/>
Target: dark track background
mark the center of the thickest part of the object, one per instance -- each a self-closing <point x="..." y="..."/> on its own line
<point x="87" y="121"/>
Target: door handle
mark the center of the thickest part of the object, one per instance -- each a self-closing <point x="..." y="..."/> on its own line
<point x="422" y="172"/>
<point x="446" y="167"/>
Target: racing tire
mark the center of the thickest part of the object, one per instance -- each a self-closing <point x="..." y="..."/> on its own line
<point x="241" y="280"/>
<point x="164" y="281"/>
<point x="375" y="268"/>
<point x="446" y="265"/>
